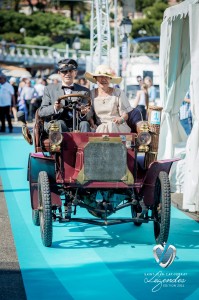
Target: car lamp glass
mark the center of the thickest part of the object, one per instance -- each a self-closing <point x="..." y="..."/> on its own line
<point x="144" y="138"/>
<point x="55" y="137"/>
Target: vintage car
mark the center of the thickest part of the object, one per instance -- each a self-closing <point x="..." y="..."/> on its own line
<point x="102" y="173"/>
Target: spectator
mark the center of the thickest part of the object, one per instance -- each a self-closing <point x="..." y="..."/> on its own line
<point x="39" y="87"/>
<point x="185" y="114"/>
<point x="28" y="96"/>
<point x="14" y="105"/>
<point x="20" y="103"/>
<point x="84" y="82"/>
<point x="6" y="100"/>
<point x="141" y="101"/>
<point x="151" y="90"/>
<point x="139" y="81"/>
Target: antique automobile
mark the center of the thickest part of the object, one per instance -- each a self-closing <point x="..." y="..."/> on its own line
<point x="102" y="173"/>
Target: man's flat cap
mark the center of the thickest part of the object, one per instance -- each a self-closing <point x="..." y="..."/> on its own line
<point x="67" y="64"/>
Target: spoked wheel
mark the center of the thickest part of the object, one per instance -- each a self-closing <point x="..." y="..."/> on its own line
<point x="45" y="210"/>
<point x="35" y="217"/>
<point x="162" y="208"/>
<point x="134" y="215"/>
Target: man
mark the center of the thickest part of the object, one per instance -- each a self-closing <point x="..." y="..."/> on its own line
<point x="39" y="87"/>
<point x="28" y="96"/>
<point x="134" y="116"/>
<point x="139" y="81"/>
<point x="7" y="98"/>
<point x="13" y="82"/>
<point x="50" y="108"/>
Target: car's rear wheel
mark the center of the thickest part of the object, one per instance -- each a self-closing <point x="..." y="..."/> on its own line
<point x="162" y="208"/>
<point x="45" y="209"/>
<point x="35" y="217"/>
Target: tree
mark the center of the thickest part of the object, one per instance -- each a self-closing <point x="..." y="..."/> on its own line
<point x="152" y="21"/>
<point x="77" y="6"/>
<point x="54" y="26"/>
<point x="156" y="11"/>
<point x="142" y="4"/>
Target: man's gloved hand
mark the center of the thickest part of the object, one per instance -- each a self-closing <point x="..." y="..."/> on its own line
<point x="84" y="109"/>
<point x="58" y="106"/>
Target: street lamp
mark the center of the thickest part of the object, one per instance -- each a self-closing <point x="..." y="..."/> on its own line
<point x="126" y="26"/>
<point x="142" y="32"/>
<point x="23" y="31"/>
<point x="76" y="45"/>
<point x="125" y="30"/>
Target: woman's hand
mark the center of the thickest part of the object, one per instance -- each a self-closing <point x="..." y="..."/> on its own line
<point x="119" y="120"/>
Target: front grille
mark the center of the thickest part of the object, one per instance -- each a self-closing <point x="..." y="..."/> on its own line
<point x="106" y="161"/>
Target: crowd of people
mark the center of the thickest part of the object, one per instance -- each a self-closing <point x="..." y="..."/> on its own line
<point x="110" y="109"/>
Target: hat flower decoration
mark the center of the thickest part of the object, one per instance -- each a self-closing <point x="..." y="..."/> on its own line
<point x="103" y="70"/>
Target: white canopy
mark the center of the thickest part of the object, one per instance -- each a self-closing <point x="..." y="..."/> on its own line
<point x="179" y="69"/>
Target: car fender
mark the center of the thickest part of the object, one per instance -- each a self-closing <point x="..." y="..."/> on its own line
<point x="147" y="190"/>
<point x="39" y="162"/>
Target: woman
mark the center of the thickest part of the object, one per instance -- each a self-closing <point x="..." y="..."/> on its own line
<point x="109" y="104"/>
<point x="142" y="100"/>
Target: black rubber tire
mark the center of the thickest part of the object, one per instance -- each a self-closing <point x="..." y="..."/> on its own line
<point x="162" y="208"/>
<point x="35" y="217"/>
<point x="134" y="215"/>
<point x="45" y="212"/>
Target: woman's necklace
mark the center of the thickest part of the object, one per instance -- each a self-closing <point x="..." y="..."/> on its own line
<point x="104" y="95"/>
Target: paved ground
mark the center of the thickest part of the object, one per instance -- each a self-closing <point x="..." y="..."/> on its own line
<point x="11" y="283"/>
<point x="177" y="200"/>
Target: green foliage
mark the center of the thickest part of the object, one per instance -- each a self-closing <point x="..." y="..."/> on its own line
<point x="54" y="27"/>
<point x="142" y="4"/>
<point x="39" y="40"/>
<point x="12" y="37"/>
<point x="153" y="17"/>
<point x="145" y="24"/>
<point x="156" y="11"/>
<point x="10" y="21"/>
<point x="85" y="44"/>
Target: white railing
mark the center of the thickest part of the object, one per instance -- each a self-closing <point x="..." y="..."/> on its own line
<point x="28" y="54"/>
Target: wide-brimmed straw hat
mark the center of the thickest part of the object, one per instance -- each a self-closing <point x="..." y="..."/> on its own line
<point x="103" y="70"/>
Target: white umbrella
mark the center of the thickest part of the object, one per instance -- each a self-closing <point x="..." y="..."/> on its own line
<point x="18" y="72"/>
<point x="54" y="76"/>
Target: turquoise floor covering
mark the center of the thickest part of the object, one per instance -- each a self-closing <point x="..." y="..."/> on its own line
<point x="89" y="262"/>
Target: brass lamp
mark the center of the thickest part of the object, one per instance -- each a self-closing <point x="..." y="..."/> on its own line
<point x="55" y="137"/>
<point x="144" y="137"/>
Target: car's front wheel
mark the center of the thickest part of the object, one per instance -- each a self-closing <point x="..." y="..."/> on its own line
<point x="162" y="208"/>
<point x="45" y="209"/>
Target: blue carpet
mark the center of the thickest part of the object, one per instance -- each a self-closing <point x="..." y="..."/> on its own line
<point x="89" y="262"/>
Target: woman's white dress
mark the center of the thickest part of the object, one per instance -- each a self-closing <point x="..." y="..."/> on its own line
<point x="109" y="107"/>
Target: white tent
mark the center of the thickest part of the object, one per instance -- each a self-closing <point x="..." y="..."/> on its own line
<point x="179" y="68"/>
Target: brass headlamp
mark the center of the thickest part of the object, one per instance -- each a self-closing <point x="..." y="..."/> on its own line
<point x="144" y="137"/>
<point x="55" y="137"/>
